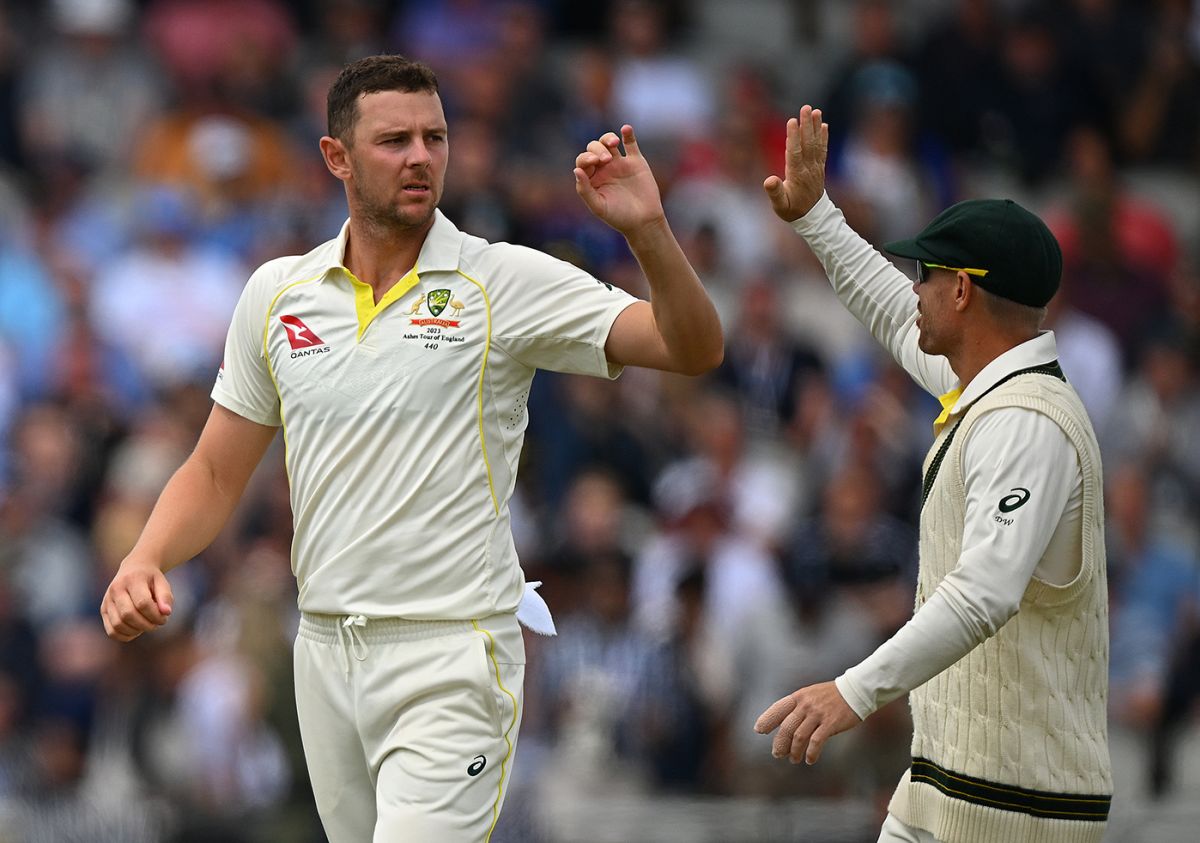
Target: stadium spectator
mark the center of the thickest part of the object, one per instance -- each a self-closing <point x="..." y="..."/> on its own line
<point x="1119" y="250"/>
<point x="167" y="301"/>
<point x="1123" y="71"/>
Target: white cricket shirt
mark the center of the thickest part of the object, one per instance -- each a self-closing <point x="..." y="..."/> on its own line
<point x="404" y="420"/>
<point x="1007" y="449"/>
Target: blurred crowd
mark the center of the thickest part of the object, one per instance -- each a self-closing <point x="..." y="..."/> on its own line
<point x="707" y="545"/>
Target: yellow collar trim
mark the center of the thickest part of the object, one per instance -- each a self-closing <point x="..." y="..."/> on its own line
<point x="364" y="298"/>
<point x="947" y="401"/>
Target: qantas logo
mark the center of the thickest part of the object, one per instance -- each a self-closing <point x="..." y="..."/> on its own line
<point x="302" y="338"/>
<point x="299" y="334"/>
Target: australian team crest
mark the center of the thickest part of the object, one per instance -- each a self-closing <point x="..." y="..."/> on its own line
<point x="441" y="324"/>
<point x="437" y="301"/>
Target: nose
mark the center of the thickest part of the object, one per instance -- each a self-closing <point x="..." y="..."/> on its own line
<point x="419" y="154"/>
<point x="915" y="285"/>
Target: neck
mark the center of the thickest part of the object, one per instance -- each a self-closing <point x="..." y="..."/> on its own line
<point x="976" y="353"/>
<point x="380" y="255"/>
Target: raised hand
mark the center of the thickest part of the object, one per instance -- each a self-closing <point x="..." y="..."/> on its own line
<point x="803" y="179"/>
<point x="806" y="719"/>
<point x="619" y="189"/>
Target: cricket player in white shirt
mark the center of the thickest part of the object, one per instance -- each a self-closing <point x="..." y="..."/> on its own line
<point x="1006" y="657"/>
<point x="397" y="358"/>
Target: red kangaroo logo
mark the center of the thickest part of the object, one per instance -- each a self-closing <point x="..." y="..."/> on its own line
<point x="299" y="335"/>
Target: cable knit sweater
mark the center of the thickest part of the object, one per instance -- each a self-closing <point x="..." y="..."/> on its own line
<point x="1010" y="742"/>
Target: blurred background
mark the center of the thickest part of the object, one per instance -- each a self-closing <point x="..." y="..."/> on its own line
<point x="707" y="545"/>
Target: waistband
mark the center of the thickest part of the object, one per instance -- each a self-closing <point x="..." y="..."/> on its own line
<point x="327" y="629"/>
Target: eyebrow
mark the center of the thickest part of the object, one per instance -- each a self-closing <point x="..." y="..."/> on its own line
<point x="397" y="133"/>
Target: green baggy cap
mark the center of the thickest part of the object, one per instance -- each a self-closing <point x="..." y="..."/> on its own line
<point x="1019" y="258"/>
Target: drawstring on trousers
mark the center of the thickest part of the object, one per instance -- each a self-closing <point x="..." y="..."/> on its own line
<point x="350" y="634"/>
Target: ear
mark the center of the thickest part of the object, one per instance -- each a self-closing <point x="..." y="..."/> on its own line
<point x="336" y="157"/>
<point x="964" y="291"/>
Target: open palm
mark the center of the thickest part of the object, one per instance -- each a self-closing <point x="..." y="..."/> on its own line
<point x="803" y="179"/>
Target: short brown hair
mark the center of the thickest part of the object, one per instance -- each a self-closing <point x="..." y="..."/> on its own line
<point x="1012" y="315"/>
<point x="368" y="76"/>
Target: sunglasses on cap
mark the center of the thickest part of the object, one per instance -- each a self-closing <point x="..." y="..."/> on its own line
<point x="923" y="268"/>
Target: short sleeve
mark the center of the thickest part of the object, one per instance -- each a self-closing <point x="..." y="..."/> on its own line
<point x="244" y="384"/>
<point x="552" y="315"/>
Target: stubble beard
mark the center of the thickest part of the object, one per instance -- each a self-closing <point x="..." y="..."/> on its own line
<point x="385" y="216"/>
<point x="927" y="340"/>
<point x="926" y="336"/>
<point x="927" y="343"/>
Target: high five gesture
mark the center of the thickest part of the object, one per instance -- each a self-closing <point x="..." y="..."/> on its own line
<point x="619" y="189"/>
<point x="803" y="179"/>
<point x="678" y="330"/>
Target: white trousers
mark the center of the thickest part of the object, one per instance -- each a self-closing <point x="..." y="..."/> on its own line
<point x="409" y="727"/>
<point x="894" y="831"/>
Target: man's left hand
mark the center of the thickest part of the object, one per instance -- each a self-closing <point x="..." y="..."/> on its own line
<point x="619" y="189"/>
<point x="806" y="719"/>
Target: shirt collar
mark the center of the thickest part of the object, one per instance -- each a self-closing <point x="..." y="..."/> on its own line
<point x="439" y="252"/>
<point x="1035" y="352"/>
<point x="442" y="245"/>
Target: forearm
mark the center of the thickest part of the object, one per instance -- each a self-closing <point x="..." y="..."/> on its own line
<point x="190" y="512"/>
<point x="876" y="293"/>
<point x="866" y="282"/>
<point x="997" y="559"/>
<point x="684" y="315"/>
<point x="936" y="637"/>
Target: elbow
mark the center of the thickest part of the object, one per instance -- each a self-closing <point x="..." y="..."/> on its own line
<point x="993" y="623"/>
<point x="981" y="613"/>
<point x="718" y="354"/>
<point x="1003" y="605"/>
<point x="696" y="367"/>
<point x="704" y="362"/>
<point x="994" y="616"/>
<point x="710" y="363"/>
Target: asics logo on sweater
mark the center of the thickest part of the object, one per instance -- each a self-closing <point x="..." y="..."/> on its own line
<point x="1010" y="502"/>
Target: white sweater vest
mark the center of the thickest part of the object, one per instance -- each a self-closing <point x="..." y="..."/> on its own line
<point x="1010" y="744"/>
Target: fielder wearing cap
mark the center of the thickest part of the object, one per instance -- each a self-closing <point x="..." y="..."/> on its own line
<point x="1005" y="660"/>
<point x="1005" y="249"/>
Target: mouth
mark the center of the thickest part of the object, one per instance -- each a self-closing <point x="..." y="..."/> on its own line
<point x="417" y="189"/>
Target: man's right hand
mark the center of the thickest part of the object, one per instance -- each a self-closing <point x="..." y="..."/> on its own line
<point x="138" y="600"/>
<point x="803" y="179"/>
